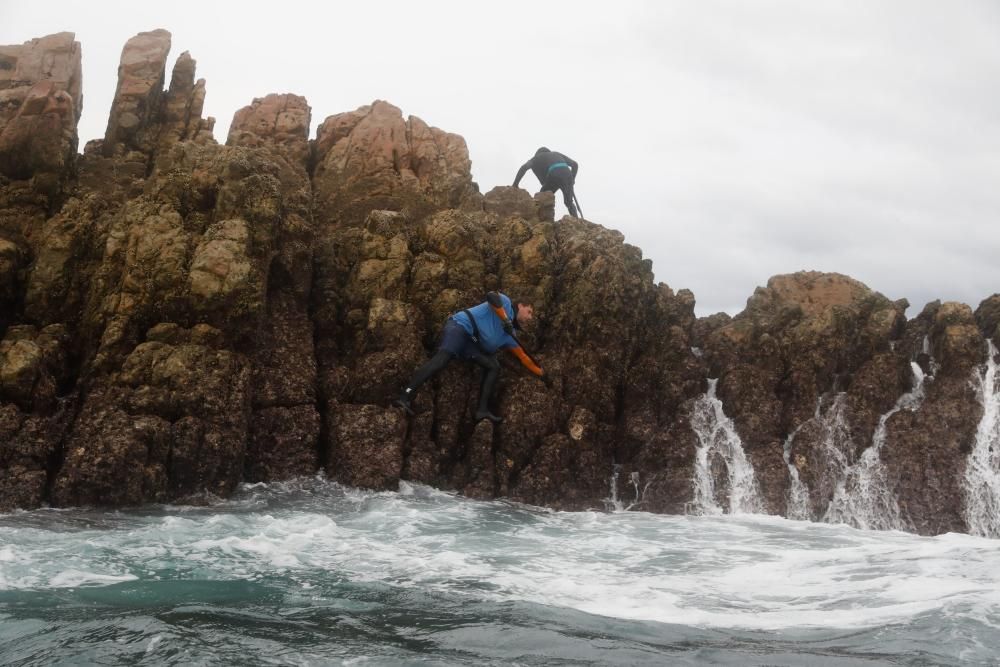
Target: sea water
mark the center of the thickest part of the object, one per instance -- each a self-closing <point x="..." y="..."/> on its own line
<point x="310" y="572"/>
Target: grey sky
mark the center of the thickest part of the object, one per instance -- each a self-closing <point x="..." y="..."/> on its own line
<point x="730" y="140"/>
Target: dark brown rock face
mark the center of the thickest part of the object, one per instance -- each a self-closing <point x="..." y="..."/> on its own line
<point x="811" y="367"/>
<point x="197" y="314"/>
<point x="801" y="337"/>
<point x="383" y="290"/>
<point x="33" y="417"/>
<point x="177" y="316"/>
<point x="923" y="446"/>
<point x="172" y="422"/>
<point x="988" y="317"/>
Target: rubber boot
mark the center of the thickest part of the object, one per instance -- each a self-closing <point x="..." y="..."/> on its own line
<point x="486" y="414"/>
<point x="404" y="401"/>
<point x="490" y="376"/>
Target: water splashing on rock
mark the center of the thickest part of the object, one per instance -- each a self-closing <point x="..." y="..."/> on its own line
<point x="982" y="473"/>
<point x="835" y="453"/>
<point x="724" y="479"/>
<point x="614" y="503"/>
<point x="863" y="498"/>
<point x="798" y="493"/>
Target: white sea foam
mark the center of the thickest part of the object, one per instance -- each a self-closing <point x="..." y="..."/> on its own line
<point x="73" y="578"/>
<point x="153" y="643"/>
<point x="723" y="571"/>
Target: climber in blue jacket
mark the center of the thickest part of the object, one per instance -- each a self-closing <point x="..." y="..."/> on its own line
<point x="476" y="334"/>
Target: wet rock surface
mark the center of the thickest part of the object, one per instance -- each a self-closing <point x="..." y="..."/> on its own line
<point x="177" y="316"/>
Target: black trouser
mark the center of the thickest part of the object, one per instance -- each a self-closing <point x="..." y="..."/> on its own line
<point x="562" y="179"/>
<point x="437" y="363"/>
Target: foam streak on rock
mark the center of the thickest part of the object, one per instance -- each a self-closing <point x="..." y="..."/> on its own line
<point x="720" y="446"/>
<point x="797" y="506"/>
<point x="864" y="498"/>
<point x="982" y="472"/>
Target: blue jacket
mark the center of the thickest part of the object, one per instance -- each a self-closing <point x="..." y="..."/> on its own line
<point x="492" y="337"/>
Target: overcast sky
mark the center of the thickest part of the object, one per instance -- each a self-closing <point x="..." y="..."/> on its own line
<point x="730" y="140"/>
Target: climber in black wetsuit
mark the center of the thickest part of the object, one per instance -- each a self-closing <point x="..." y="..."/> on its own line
<point x="554" y="171"/>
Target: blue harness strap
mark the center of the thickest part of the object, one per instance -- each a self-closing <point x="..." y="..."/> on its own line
<point x="557" y="165"/>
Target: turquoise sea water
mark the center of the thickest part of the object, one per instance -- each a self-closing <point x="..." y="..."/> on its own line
<point x="309" y="572"/>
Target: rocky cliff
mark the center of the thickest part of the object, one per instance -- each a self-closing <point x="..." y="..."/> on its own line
<point x="179" y="315"/>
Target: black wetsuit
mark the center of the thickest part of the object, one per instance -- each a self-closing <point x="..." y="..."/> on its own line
<point x="554" y="171"/>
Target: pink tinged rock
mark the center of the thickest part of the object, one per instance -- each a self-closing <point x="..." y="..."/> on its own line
<point x="280" y="119"/>
<point x="338" y="127"/>
<point x="55" y="58"/>
<point x="275" y="121"/>
<point x="373" y="158"/>
<point x="38" y="132"/>
<point x="222" y="263"/>
<point x="140" y="85"/>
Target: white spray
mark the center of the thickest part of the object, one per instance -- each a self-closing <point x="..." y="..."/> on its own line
<point x="615" y="504"/>
<point x="717" y="439"/>
<point x="981" y="486"/>
<point x="863" y="498"/>
<point x="797" y="506"/>
<point x="835" y="449"/>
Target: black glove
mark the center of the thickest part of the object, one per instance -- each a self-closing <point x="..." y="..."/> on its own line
<point x="507" y="327"/>
<point x="547" y="379"/>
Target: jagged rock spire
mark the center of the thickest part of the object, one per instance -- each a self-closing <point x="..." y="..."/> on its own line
<point x="144" y="117"/>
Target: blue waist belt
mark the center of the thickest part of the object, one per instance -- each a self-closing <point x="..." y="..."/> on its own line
<point x="557" y="165"/>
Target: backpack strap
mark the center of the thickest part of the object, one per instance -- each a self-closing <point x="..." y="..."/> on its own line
<point x="475" y="327"/>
